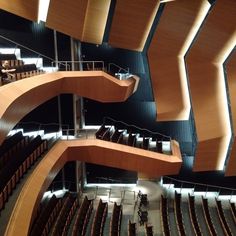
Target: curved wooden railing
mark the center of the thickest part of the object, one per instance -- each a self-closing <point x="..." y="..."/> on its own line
<point x="19" y="98"/>
<point x="93" y="151"/>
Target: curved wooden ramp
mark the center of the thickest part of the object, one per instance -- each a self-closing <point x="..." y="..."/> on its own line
<point x="175" y="32"/>
<point x="93" y="151"/>
<point x="231" y="78"/>
<point x="213" y="45"/>
<point x="19" y="98"/>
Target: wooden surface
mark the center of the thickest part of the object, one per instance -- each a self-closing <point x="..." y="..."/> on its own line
<point x="19" y="98"/>
<point x="131" y="23"/>
<point x="174" y="34"/>
<point x="231" y="79"/>
<point x="93" y="151"/>
<point x="207" y="84"/>
<point x="67" y="16"/>
<point x="25" y="9"/>
<point x="82" y="19"/>
<point x="95" y="21"/>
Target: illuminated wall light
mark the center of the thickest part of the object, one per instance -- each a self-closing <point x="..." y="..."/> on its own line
<point x="43" y="10"/>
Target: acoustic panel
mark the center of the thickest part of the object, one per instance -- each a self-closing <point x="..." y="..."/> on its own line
<point x="231" y="78"/>
<point x="205" y="61"/>
<point x="174" y="34"/>
<point x="131" y="23"/>
<point x="25" y="9"/>
<point x="67" y="16"/>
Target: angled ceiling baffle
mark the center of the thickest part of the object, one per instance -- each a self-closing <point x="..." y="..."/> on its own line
<point x="211" y="48"/>
<point x="177" y="27"/>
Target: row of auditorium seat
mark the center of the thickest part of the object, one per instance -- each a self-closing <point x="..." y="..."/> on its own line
<point x="13" y="62"/>
<point x="115" y="224"/>
<point x="193" y="216"/>
<point x="61" y="224"/>
<point x="223" y="220"/>
<point x="126" y="137"/>
<point x="178" y="214"/>
<point x="164" y="216"/>
<point x="46" y="217"/>
<point x="132" y="230"/>
<point x="82" y="217"/>
<point x="17" y="163"/>
<point x="22" y="70"/>
<point x="99" y="219"/>
<point x="11" y="146"/>
<point x="27" y="74"/>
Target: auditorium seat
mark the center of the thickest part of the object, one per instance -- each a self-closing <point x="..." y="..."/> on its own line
<point x="193" y="216"/>
<point x="82" y="217"/>
<point x="115" y="224"/>
<point x="99" y="219"/>
<point x="178" y="214"/>
<point x="132" y="229"/>
<point x="223" y="220"/>
<point x="16" y="167"/>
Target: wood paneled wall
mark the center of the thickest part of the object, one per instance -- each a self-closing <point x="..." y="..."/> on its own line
<point x="19" y="98"/>
<point x="94" y="151"/>
<point x="207" y="84"/>
<point x="231" y="78"/>
<point x="174" y="34"/>
<point x="132" y="22"/>
<point x="25" y="9"/>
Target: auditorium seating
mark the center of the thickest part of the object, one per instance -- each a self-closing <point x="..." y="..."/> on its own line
<point x="16" y="167"/>
<point x="115" y="224"/>
<point x="82" y="217"/>
<point x="132" y="229"/>
<point x="223" y="220"/>
<point x="120" y="132"/>
<point x="43" y="221"/>
<point x="70" y="215"/>
<point x="22" y="70"/>
<point x="178" y="214"/>
<point x="193" y="216"/>
<point x="99" y="219"/>
<point x="149" y="230"/>
<point x="233" y="211"/>
<point x="6" y="56"/>
<point x="11" y="146"/>
<point x="164" y="216"/>
<point x="208" y="217"/>
<point x="60" y="224"/>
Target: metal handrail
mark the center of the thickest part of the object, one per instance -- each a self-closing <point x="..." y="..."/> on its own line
<point x="68" y="64"/>
<point x="136" y="127"/>
<point x="200" y="184"/>
<point x="18" y="44"/>
<point x="117" y="66"/>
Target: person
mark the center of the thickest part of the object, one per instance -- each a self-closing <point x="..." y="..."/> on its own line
<point x="5" y="72"/>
